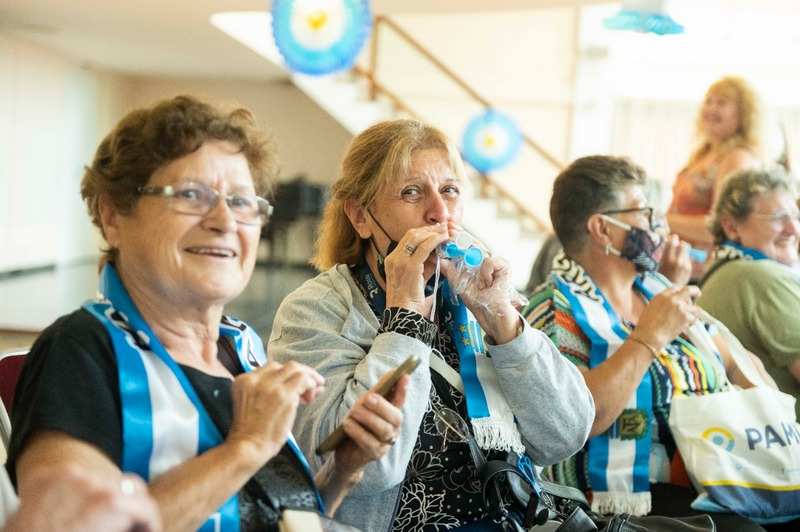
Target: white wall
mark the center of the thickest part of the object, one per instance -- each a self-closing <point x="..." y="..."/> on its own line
<point x="309" y="140"/>
<point x="53" y="113"/>
<point x="522" y="62"/>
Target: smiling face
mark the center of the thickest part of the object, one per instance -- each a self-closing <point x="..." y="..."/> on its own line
<point x="190" y="259"/>
<point x="719" y="115"/>
<point x="429" y="194"/>
<point x="772" y="226"/>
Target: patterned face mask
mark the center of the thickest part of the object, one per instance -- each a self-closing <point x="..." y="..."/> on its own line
<point x="640" y="246"/>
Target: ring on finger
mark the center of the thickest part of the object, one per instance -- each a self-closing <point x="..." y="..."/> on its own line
<point x="410" y="249"/>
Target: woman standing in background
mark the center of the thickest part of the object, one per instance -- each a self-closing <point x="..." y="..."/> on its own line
<point x="728" y="126"/>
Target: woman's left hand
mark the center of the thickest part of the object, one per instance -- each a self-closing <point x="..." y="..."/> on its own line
<point x="372" y="427"/>
<point x="488" y="294"/>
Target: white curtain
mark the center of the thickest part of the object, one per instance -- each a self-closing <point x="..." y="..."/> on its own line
<point x="659" y="135"/>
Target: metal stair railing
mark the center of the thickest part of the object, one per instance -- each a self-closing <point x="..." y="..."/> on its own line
<point x="489" y="186"/>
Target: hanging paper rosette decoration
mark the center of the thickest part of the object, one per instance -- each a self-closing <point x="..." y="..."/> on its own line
<point x="492" y="140"/>
<point x="320" y="36"/>
<point x="644" y="16"/>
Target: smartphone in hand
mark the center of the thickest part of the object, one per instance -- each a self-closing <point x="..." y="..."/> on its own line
<point x="383" y="388"/>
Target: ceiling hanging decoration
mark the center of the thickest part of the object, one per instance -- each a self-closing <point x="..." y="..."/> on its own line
<point x="645" y="16"/>
<point x="491" y="141"/>
<point x="320" y="36"/>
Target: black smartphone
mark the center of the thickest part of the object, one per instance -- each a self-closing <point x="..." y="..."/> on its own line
<point x="382" y="388"/>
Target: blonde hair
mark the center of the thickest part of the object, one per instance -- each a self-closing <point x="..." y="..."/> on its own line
<point x="378" y="156"/>
<point x="739" y="192"/>
<point x="751" y="122"/>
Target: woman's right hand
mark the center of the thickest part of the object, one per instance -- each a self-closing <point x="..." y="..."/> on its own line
<point x="405" y="279"/>
<point x="265" y="403"/>
<point x="667" y="315"/>
<point x="675" y="262"/>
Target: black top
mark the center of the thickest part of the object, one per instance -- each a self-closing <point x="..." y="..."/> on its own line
<point x="69" y="383"/>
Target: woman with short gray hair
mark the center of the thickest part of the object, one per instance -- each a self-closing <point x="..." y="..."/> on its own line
<point x="753" y="285"/>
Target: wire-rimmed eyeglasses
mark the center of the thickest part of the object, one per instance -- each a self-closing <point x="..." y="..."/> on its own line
<point x="649" y="212"/>
<point x="781" y="217"/>
<point x="454" y="429"/>
<point x="190" y="197"/>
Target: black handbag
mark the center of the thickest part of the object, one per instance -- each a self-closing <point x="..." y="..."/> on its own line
<point x="561" y="508"/>
<point x="519" y="501"/>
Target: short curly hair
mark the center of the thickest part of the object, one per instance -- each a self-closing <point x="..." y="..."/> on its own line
<point x="737" y="195"/>
<point x="147" y="139"/>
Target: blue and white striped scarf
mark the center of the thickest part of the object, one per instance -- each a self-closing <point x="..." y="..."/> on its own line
<point x="618" y="460"/>
<point x="164" y="423"/>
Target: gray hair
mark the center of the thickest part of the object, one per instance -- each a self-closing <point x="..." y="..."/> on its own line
<point x="588" y="186"/>
<point x="739" y="191"/>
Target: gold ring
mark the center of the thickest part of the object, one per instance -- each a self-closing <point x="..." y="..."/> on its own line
<point x="410" y="249"/>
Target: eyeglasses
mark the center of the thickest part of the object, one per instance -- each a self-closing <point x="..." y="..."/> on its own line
<point x="454" y="429"/>
<point x="451" y="425"/>
<point x="648" y="211"/>
<point x="199" y="199"/>
<point x="780" y="217"/>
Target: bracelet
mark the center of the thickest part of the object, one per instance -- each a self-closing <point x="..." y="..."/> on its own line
<point x="649" y="347"/>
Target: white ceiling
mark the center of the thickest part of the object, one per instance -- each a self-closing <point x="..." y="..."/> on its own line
<point x="174" y="37"/>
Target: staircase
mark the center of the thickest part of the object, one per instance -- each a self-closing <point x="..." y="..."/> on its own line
<point x="356" y="100"/>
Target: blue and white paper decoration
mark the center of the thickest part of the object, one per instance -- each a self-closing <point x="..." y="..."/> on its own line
<point x="492" y="140"/>
<point x="644" y="16"/>
<point x="320" y="36"/>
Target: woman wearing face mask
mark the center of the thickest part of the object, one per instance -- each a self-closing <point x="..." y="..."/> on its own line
<point x="398" y="198"/>
<point x="753" y="286"/>
<point x="728" y="127"/>
<point x="625" y="327"/>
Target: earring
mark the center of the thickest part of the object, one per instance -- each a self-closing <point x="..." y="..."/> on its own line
<point x="608" y="248"/>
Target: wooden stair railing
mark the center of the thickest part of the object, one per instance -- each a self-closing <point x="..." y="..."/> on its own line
<point x="489" y="186"/>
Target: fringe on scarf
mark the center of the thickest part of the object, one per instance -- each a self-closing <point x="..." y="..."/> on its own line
<point x="494" y="434"/>
<point x="618" y="502"/>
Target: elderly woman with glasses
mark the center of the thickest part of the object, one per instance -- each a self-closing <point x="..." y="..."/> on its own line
<point x="380" y="299"/>
<point x="753" y="285"/>
<point x="152" y="378"/>
<point x="626" y="328"/>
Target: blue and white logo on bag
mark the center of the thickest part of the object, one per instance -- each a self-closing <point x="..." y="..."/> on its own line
<point x="720" y="437"/>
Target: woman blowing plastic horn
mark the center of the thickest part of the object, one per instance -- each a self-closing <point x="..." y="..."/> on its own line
<point x="153" y="378"/>
<point x="377" y="300"/>
<point x="625" y="326"/>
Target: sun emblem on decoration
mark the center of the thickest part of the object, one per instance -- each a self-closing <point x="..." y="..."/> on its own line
<point x="320" y="36"/>
<point x="492" y="140"/>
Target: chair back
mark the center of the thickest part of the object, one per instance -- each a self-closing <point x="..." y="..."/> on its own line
<point x="10" y="368"/>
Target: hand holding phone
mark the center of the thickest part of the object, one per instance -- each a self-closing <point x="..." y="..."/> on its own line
<point x="383" y="388"/>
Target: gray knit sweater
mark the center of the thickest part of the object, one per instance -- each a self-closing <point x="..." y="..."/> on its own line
<point x="328" y="324"/>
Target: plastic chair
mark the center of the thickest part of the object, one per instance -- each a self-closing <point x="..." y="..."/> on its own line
<point x="10" y="368"/>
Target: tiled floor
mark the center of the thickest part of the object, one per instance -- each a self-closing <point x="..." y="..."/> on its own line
<point x="29" y="303"/>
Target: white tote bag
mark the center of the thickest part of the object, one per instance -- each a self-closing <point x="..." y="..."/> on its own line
<point x="741" y="448"/>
